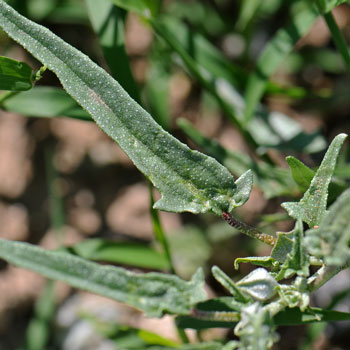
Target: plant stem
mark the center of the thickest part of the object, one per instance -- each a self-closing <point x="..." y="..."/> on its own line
<point x="249" y="230"/>
<point x="159" y="231"/>
<point x="183" y="336"/>
<point x="338" y="38"/>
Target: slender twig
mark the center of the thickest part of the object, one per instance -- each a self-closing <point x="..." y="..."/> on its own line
<point x="249" y="230"/>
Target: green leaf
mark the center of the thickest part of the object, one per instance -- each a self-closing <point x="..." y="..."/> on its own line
<point x="263" y="261"/>
<point x="214" y="313"/>
<point x="157" y="94"/>
<point x="312" y="207"/>
<point x="132" y="254"/>
<point x="154" y="293"/>
<point x="296" y="261"/>
<point x="259" y="284"/>
<point x="338" y="38"/>
<point x="274" y="181"/>
<point x="38" y="330"/>
<point x="283" y="246"/>
<point x="46" y="102"/>
<point x="108" y="23"/>
<point x="228" y="284"/>
<point x="273" y="55"/>
<point x="145" y="8"/>
<point x="202" y="346"/>
<point x="188" y="180"/>
<point x="296" y="294"/>
<point x="302" y="174"/>
<point x="331" y="241"/>
<point x="255" y="329"/>
<point x="326" y="6"/>
<point x="15" y="75"/>
<point x="207" y="66"/>
<point x="159" y="232"/>
<point x="294" y="316"/>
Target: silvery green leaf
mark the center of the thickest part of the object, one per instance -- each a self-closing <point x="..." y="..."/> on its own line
<point x="154" y="293"/>
<point x="312" y="207"/>
<point x="331" y="241"/>
<point x="255" y="329"/>
<point x="227" y="283"/>
<point x="295" y="295"/>
<point x="259" y="284"/>
<point x="296" y="261"/>
<point x="188" y="180"/>
<point x="283" y="246"/>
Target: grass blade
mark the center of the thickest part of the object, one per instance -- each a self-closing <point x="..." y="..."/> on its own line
<point x="272" y="56"/>
<point x="132" y="254"/>
<point x="338" y="38"/>
<point x="108" y="23"/>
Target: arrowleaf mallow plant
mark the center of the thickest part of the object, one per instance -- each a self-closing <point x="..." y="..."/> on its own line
<point x="191" y="181"/>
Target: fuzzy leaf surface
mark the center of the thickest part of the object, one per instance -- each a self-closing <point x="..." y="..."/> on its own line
<point x="312" y="207"/>
<point x="153" y="293"/>
<point x="259" y="284"/>
<point x="331" y="241"/>
<point x="188" y="180"/>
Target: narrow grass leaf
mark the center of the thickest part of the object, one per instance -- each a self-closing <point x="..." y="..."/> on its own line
<point x="159" y="231"/>
<point x="295" y="316"/>
<point x="213" y="72"/>
<point x="188" y="180"/>
<point x="15" y="75"/>
<point x="326" y="6"/>
<point x="145" y="8"/>
<point x="338" y="38"/>
<point x="312" y="207"/>
<point x="274" y="181"/>
<point x="157" y="94"/>
<point x="107" y="21"/>
<point x="38" y="330"/>
<point x="274" y="53"/>
<point x="153" y="293"/>
<point x="132" y="254"/>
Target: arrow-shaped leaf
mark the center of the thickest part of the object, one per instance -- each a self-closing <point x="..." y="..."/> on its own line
<point x="312" y="207"/>
<point x="154" y="293"/>
<point x="188" y="180"/>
